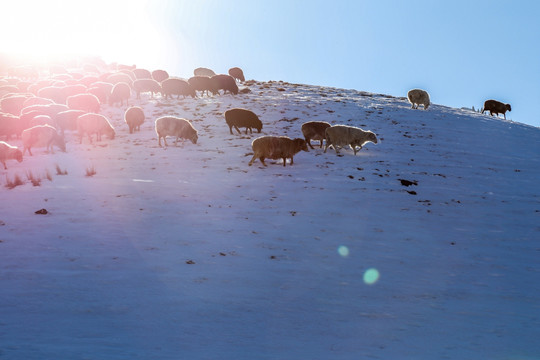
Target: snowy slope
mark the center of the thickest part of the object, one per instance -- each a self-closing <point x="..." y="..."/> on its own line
<point x="187" y="252"/>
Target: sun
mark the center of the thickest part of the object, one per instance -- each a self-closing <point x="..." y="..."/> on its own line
<point x="45" y="30"/>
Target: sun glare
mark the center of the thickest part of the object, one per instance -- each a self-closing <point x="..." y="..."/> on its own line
<point x="44" y="30"/>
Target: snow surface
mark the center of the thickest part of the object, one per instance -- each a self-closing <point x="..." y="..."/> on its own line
<point x="188" y="253"/>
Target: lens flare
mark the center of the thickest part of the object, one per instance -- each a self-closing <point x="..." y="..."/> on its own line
<point x="371" y="276"/>
<point x="343" y="251"/>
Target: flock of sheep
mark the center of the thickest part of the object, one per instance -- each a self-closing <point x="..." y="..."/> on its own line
<point x="39" y="111"/>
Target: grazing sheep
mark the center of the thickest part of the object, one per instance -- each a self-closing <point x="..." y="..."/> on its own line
<point x="276" y="147"/>
<point x="418" y="97"/>
<point x="242" y="118"/>
<point x="42" y="136"/>
<point x="120" y="92"/>
<point x="314" y="130"/>
<point x="55" y="93"/>
<point x="75" y="89"/>
<point x="88" y="80"/>
<point x="142" y="74"/>
<point x="237" y="74"/>
<point x="202" y="83"/>
<point x="85" y="102"/>
<point x="343" y="135"/>
<point x="146" y="85"/>
<point x="203" y="72"/>
<point x="101" y="89"/>
<point x="173" y="126"/>
<point x="13" y="104"/>
<point x="94" y="124"/>
<point x="120" y="77"/>
<point x="174" y="86"/>
<point x="36" y="101"/>
<point x="497" y="107"/>
<point x="225" y="83"/>
<point x="134" y="117"/>
<point x="8" y="152"/>
<point x="11" y="125"/>
<point x="160" y="75"/>
<point x="67" y="120"/>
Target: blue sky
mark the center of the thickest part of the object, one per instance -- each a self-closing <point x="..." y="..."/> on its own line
<point x="461" y="52"/>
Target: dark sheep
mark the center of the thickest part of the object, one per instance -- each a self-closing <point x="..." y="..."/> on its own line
<point x="237" y="73"/>
<point x="134" y="117"/>
<point x="202" y="83"/>
<point x="174" y="86"/>
<point x="203" y="72"/>
<point x="120" y="92"/>
<point x="276" y="147"/>
<point x="85" y="102"/>
<point x="314" y="130"/>
<point x="160" y="75"/>
<point x="142" y="74"/>
<point x="496" y="107"/>
<point x="242" y="118"/>
<point x="146" y="85"/>
<point x="225" y="83"/>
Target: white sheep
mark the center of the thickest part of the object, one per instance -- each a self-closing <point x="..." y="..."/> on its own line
<point x="203" y="72"/>
<point x="177" y="127"/>
<point x="94" y="124"/>
<point x="86" y="102"/>
<point x="42" y="136"/>
<point x="418" y="97"/>
<point x="343" y="135"/>
<point x="8" y="152"/>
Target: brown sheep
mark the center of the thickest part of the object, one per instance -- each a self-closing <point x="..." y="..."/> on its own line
<point x="242" y="118"/>
<point x="160" y="75"/>
<point x="202" y="83"/>
<point x="134" y="117"/>
<point x="203" y="72"/>
<point x="142" y="74"/>
<point x="8" y="152"/>
<point x="174" y="86"/>
<point x="177" y="127"/>
<point x="67" y="120"/>
<point x="13" y="104"/>
<point x="314" y="130"/>
<point x="497" y="107"/>
<point x="237" y="74"/>
<point x="225" y="83"/>
<point x="276" y="147"/>
<point x="120" y="92"/>
<point x="146" y="85"/>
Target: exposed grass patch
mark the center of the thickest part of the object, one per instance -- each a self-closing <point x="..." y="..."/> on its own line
<point x="12" y="183"/>
<point x="59" y="171"/>
<point x="36" y="181"/>
<point x="90" y="171"/>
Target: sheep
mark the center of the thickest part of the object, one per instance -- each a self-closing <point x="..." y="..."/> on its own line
<point x="203" y="72"/>
<point x="276" y="147"/>
<point x="120" y="92"/>
<point x="42" y="135"/>
<point x="242" y="118"/>
<point x="225" y="83"/>
<point x="134" y="117"/>
<point x="50" y="109"/>
<point x="314" y="130"/>
<point x="418" y="96"/>
<point x="146" y="85"/>
<point x="174" y="86"/>
<point x="88" y="80"/>
<point x="75" y="89"/>
<point x="55" y="93"/>
<point x="94" y="124"/>
<point x="119" y="77"/>
<point x="237" y="74"/>
<point x="13" y="104"/>
<point x="142" y="74"/>
<point x="160" y="75"/>
<point x="202" y="83"/>
<point x="8" y="152"/>
<point x="497" y="107"/>
<point x="343" y="135"/>
<point x="11" y="125"/>
<point x="85" y="102"/>
<point x="67" y="120"/>
<point x="101" y="89"/>
<point x="36" y="101"/>
<point x="174" y="126"/>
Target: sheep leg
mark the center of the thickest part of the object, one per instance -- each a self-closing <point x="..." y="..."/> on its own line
<point x="292" y="161"/>
<point x="308" y="141"/>
<point x="5" y="167"/>
<point x="237" y="129"/>
<point x="320" y="147"/>
<point x="252" y="159"/>
<point x="262" y="160"/>
<point x="284" y="161"/>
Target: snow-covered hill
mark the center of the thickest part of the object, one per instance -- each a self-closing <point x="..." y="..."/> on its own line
<point x="188" y="253"/>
